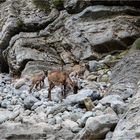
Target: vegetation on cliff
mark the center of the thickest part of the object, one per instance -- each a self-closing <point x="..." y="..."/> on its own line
<point x="42" y="5"/>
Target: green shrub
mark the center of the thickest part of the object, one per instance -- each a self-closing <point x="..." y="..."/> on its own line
<point x="137" y="43"/>
<point x="59" y="4"/>
<point x="42" y="5"/>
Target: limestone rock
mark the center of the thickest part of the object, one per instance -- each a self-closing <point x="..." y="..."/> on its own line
<point x="29" y="101"/>
<point x="79" y="98"/>
<point x="75" y="6"/>
<point x="22" y="131"/>
<point x="125" y="75"/>
<point x="97" y="127"/>
<point x="61" y="37"/>
<point x="69" y="124"/>
<point x="115" y="102"/>
<point x="128" y="126"/>
<point x="20" y="83"/>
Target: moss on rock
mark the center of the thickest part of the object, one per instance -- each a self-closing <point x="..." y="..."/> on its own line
<point x="42" y="5"/>
<point x="19" y="23"/>
<point x="59" y="4"/>
<point x="137" y="43"/>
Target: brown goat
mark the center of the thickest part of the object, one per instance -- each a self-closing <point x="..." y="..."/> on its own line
<point x="60" y="78"/>
<point x="37" y="80"/>
<point x="78" y="70"/>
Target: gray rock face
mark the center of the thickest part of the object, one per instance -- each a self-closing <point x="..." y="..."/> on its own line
<point x="17" y="21"/>
<point x="58" y="37"/>
<point x="22" y="16"/>
<point x="125" y="75"/>
<point x="84" y="24"/>
<point x="24" y="54"/>
<point x="75" y="6"/>
<point x="125" y="78"/>
<point x="129" y="126"/>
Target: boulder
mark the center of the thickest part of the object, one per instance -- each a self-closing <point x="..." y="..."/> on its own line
<point x="84" y="118"/>
<point x="94" y="65"/>
<point x="29" y="101"/>
<point x="115" y="102"/>
<point x="5" y="103"/>
<point x="56" y="109"/>
<point x="19" y="83"/>
<point x="82" y="94"/>
<point x="97" y="127"/>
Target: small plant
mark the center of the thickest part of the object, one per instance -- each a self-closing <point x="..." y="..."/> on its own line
<point x="59" y="4"/>
<point x="137" y="43"/>
<point x="42" y="4"/>
<point x="19" y="23"/>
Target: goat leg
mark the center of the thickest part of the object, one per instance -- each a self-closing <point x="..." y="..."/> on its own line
<point x="42" y="83"/>
<point x="31" y="88"/>
<point x="64" y="91"/>
<point x="51" y="85"/>
<point x="37" y="85"/>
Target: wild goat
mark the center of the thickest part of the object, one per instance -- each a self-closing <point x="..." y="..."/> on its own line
<point x="37" y="80"/>
<point x="78" y="70"/>
<point x="60" y="78"/>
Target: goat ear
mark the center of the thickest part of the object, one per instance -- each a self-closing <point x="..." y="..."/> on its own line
<point x="49" y="71"/>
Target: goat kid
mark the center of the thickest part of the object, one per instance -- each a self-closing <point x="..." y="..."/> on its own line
<point x="61" y="78"/>
<point x="37" y="80"/>
<point x="78" y="70"/>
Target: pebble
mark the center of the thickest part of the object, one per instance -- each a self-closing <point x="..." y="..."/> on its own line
<point x="58" y="119"/>
<point x="51" y="121"/>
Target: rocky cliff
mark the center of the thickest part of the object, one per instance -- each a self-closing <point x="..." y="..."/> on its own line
<point x="38" y="35"/>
